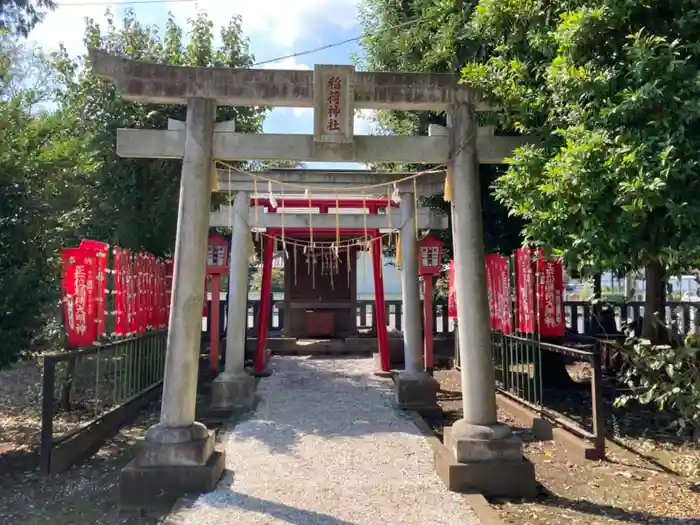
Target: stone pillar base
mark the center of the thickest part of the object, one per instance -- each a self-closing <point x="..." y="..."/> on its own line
<point x="188" y="446"/>
<point x="170" y="462"/>
<point x="232" y="393"/>
<point x="488" y="460"/>
<point x="145" y="490"/>
<point x="416" y="392"/>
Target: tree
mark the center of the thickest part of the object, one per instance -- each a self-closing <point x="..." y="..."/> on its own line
<point x="611" y="88"/>
<point x="44" y="168"/>
<point x="18" y="17"/>
<point x="25" y="70"/>
<point x="428" y="36"/>
<point x="134" y="201"/>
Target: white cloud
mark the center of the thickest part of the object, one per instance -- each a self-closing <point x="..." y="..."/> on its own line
<point x="282" y="21"/>
<point x="67" y="25"/>
<point x="274" y="26"/>
<point x="290" y="63"/>
<point x="365" y="121"/>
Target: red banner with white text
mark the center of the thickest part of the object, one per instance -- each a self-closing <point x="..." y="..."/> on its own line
<point x="78" y="291"/>
<point x="168" y="288"/>
<point x="492" y="286"/>
<point x="504" y="302"/>
<point x="139" y="287"/>
<point x="551" y="298"/>
<point x="121" y="320"/>
<point x="525" y="290"/>
<point x="101" y="249"/>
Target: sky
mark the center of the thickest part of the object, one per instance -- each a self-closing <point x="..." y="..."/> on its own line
<point x="276" y="28"/>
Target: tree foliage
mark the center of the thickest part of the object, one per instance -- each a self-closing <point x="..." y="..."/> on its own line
<point x="45" y="168"/>
<point x="428" y="36"/>
<point x="611" y="89"/>
<point x="666" y="377"/>
<point x="18" y="17"/>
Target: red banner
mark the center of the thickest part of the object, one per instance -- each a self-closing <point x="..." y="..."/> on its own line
<point x="451" y="293"/>
<point x="148" y="289"/>
<point x="142" y="292"/>
<point x="493" y="286"/>
<point x="121" y="318"/>
<point x="162" y="307"/>
<point x="131" y="305"/>
<point x="525" y="286"/>
<point x="101" y="250"/>
<point x="168" y="288"/>
<point x="500" y="296"/>
<point x="506" y="296"/>
<point x="79" y="287"/>
<point x="551" y="298"/>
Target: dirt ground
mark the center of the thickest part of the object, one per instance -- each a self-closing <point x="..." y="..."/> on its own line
<point x="85" y="494"/>
<point x="625" y="488"/>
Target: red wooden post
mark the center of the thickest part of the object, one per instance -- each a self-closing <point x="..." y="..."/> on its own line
<point x="429" y="356"/>
<point x="380" y="305"/>
<point x="429" y="264"/>
<point x="264" y="313"/>
<point x="214" y="328"/>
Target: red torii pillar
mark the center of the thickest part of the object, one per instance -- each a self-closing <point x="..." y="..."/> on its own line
<point x="429" y="352"/>
<point x="380" y="304"/>
<point x="264" y="313"/>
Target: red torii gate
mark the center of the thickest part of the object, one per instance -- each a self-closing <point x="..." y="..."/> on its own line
<point x="373" y="205"/>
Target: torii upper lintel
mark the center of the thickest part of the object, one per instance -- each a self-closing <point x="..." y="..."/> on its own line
<point x="165" y="84"/>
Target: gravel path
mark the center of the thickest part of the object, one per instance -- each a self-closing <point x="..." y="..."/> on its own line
<point x="325" y="447"/>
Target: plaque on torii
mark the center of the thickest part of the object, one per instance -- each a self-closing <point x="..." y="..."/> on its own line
<point x="333" y="104"/>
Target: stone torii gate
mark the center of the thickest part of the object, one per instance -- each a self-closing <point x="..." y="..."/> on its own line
<point x="178" y="454"/>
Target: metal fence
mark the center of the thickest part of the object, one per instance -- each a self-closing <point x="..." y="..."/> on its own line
<point x="88" y="393"/>
<point x="519" y="365"/>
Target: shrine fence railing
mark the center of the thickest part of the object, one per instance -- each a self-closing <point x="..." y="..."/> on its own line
<point x="89" y="392"/>
<point x="526" y="372"/>
<point x="578" y="315"/>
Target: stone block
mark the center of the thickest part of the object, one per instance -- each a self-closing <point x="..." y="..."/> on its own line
<point x="503" y="474"/>
<point x="492" y="479"/>
<point x="416" y="392"/>
<point x="474" y="443"/>
<point x="144" y="490"/>
<point x="171" y="449"/>
<point x="233" y="392"/>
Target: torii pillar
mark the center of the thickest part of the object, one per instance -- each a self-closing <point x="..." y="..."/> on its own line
<point x="177" y="454"/>
<point x="234" y="389"/>
<point x="484" y="448"/>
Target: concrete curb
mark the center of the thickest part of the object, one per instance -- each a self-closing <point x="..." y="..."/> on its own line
<point x="577" y="449"/>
